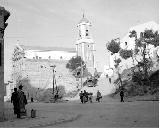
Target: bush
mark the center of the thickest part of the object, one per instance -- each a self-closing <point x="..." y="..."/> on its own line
<point x="61" y="91"/>
<point x="47" y="95"/>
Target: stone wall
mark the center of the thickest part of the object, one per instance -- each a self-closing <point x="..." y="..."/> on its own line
<point x="40" y="75"/>
<point x="3" y="16"/>
<point x="2" y="80"/>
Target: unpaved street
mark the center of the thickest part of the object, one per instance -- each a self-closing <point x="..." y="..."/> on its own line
<point x="109" y="113"/>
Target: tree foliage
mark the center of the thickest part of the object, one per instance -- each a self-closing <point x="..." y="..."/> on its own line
<point x="113" y="46"/>
<point x="125" y="54"/>
<point x="133" y="33"/>
<point x="74" y="63"/>
<point x="148" y="36"/>
<point x="151" y="37"/>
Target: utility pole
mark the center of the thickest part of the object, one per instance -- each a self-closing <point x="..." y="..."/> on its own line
<point x="81" y="74"/>
<point x="53" y="78"/>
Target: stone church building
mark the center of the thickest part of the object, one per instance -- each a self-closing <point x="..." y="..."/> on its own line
<point x="33" y="63"/>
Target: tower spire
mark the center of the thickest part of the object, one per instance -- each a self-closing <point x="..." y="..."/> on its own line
<point x="83" y="14"/>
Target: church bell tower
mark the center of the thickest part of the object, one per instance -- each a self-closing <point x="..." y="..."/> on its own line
<point x="85" y="44"/>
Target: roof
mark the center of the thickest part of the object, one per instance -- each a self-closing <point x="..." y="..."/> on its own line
<point x="47" y="48"/>
<point x="148" y="25"/>
<point x="84" y="19"/>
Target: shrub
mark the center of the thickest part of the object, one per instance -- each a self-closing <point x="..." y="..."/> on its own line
<point x="47" y="95"/>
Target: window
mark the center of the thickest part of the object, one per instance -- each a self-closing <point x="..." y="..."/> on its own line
<point x="40" y="57"/>
<point x="61" y="57"/>
<point x="36" y="57"/>
<point x="125" y="43"/>
<point x="49" y="57"/>
<point x="86" y="34"/>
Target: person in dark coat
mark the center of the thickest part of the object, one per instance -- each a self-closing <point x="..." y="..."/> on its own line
<point x="81" y="96"/>
<point x="32" y="99"/>
<point x="85" y="96"/>
<point x="109" y="80"/>
<point x="22" y="101"/>
<point x="14" y="100"/>
<point x="90" y="97"/>
<point x="99" y="96"/>
<point x="122" y="95"/>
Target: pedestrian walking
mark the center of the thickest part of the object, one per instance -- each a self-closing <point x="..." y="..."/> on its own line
<point x="81" y="96"/>
<point x="85" y="96"/>
<point x="99" y="96"/>
<point x="122" y="95"/>
<point x="22" y="101"/>
<point x="109" y="80"/>
<point x="14" y="100"/>
<point x="32" y="99"/>
<point x="90" y="97"/>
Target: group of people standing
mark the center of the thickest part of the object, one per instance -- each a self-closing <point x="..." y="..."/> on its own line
<point x="88" y="97"/>
<point x="19" y="101"/>
<point x="85" y="97"/>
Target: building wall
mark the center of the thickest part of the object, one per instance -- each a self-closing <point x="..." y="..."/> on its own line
<point x="2" y="78"/>
<point x="40" y="74"/>
<point x="3" y="13"/>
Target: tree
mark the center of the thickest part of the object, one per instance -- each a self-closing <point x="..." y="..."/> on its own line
<point x="74" y="63"/>
<point x="114" y="47"/>
<point x="77" y="66"/>
<point x="125" y="54"/>
<point x="147" y="38"/>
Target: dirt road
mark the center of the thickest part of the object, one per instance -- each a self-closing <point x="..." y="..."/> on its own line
<point x="111" y="114"/>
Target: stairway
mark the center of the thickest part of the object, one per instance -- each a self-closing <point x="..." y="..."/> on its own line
<point x="103" y="86"/>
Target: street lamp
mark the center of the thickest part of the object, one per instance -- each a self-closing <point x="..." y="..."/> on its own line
<point x="53" y="78"/>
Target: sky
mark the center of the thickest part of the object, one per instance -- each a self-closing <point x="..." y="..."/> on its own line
<point x="54" y="23"/>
